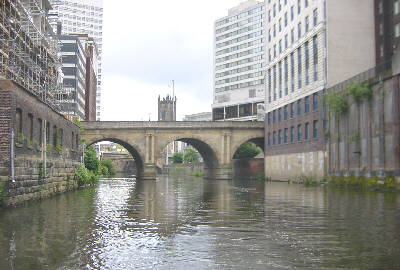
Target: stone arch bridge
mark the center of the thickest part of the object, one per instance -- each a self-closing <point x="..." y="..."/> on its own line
<point x="215" y="141"/>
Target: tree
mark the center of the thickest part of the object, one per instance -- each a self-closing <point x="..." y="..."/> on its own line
<point x="91" y="160"/>
<point x="190" y="156"/>
<point x="247" y="150"/>
<point x="107" y="163"/>
<point x="177" y="158"/>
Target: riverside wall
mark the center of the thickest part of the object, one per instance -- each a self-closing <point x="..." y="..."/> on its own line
<point x="45" y="149"/>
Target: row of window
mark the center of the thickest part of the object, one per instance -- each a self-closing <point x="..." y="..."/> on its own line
<point x="240" y="31"/>
<point x="57" y="133"/>
<point x="289" y="109"/>
<point x="78" y="5"/>
<point x="239" y="39"/>
<point x="239" y="70"/>
<point x="276" y="8"/>
<point x="284" y="44"/>
<point x="241" y="54"/>
<point x="241" y="46"/>
<point x="239" y="16"/>
<point x="239" y="85"/>
<point x="241" y="62"/>
<point x="279" y="75"/>
<point x="239" y="24"/>
<point x="282" y="136"/>
<point x="241" y="77"/>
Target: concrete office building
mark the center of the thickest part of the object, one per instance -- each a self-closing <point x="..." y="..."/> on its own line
<point x="239" y="62"/>
<point x="82" y="17"/>
<point x="74" y="81"/>
<point x="204" y="116"/>
<point x="311" y="46"/>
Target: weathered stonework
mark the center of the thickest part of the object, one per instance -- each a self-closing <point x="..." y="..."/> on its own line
<point x="216" y="142"/>
<point x="46" y="147"/>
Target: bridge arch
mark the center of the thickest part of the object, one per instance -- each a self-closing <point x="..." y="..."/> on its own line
<point x="257" y="140"/>
<point x="131" y="148"/>
<point x="205" y="149"/>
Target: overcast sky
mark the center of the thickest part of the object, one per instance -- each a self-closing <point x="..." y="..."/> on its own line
<point x="147" y="44"/>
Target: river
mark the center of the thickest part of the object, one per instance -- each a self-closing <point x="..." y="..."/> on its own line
<point x="190" y="223"/>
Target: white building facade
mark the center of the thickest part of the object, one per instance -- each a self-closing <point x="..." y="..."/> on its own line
<point x="82" y="17"/>
<point x="239" y="62"/>
<point x="314" y="44"/>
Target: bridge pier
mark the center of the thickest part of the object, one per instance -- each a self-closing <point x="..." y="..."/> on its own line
<point x="149" y="172"/>
<point x="222" y="173"/>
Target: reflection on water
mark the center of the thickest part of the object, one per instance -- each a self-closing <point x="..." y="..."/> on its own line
<point x="201" y="224"/>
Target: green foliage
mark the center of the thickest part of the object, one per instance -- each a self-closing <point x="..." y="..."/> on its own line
<point x="198" y="173"/>
<point x="77" y="122"/>
<point x="85" y="176"/>
<point x="91" y="160"/>
<point x="103" y="170"/>
<point x="327" y="134"/>
<point x="177" y="158"/>
<point x="48" y="147"/>
<point x="29" y="142"/>
<point x="107" y="167"/>
<point x="337" y="103"/>
<point x="20" y="138"/>
<point x="308" y="181"/>
<point x="2" y="192"/>
<point x="369" y="183"/>
<point x="190" y="156"/>
<point x="260" y="177"/>
<point x="58" y="148"/>
<point x="247" y="150"/>
<point x="360" y="91"/>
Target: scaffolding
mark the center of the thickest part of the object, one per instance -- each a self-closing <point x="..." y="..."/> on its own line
<point x="29" y="49"/>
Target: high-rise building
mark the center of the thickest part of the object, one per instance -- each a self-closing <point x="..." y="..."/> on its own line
<point x="74" y="81"/>
<point x="312" y="45"/>
<point x="82" y="17"/>
<point x="91" y="80"/>
<point x="239" y="62"/>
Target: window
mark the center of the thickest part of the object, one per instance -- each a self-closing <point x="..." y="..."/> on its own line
<point x="396" y="6"/>
<point x="315" y="17"/>
<point x="274" y="30"/>
<point x="299" y="83"/>
<point x="306" y="24"/>
<point x="315" y="129"/>
<point x="285" y="19"/>
<point x="292" y="70"/>
<point x="286" y="41"/>
<point x="280" y="78"/>
<point x="292" y="36"/>
<point x="274" y="50"/>
<point x="274" y="116"/>
<point x="280" y="25"/>
<point x="299" y="107"/>
<point x="285" y="135"/>
<point x="47" y="133"/>
<point x="274" y="138"/>
<point x="306" y="3"/>
<point x="292" y="110"/>
<point x="299" y="30"/>
<point x="280" y="115"/>
<point x="306" y="127"/>
<point x="274" y="10"/>
<point x="30" y="123"/>
<point x="280" y="137"/>
<point x="280" y="46"/>
<point x="279" y="5"/>
<point x="269" y="118"/>
<point x="269" y="34"/>
<point x="40" y="137"/>
<point x="285" y="71"/>
<point x="285" y="112"/>
<point x="298" y="7"/>
<point x="292" y="134"/>
<point x="55" y="134"/>
<point x="307" y="62"/>
<point x="269" y="15"/>
<point x="269" y="139"/>
<point x="315" y="101"/>
<point x="397" y="30"/>
<point x="299" y="133"/>
<point x="306" y="105"/>
<point x="380" y="7"/>
<point x="291" y="13"/>
<point x="315" y="53"/>
<point x="18" y="122"/>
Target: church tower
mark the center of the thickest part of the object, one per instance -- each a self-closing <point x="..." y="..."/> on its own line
<point x="167" y="108"/>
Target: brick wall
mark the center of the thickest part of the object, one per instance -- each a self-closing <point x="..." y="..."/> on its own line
<point x="23" y="112"/>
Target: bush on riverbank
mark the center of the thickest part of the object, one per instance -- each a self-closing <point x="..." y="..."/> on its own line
<point x="1" y="192"/>
<point x="198" y="173"/>
<point x="107" y="167"/>
<point x="85" y="177"/>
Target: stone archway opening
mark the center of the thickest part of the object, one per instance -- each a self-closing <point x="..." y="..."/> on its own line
<point x="138" y="161"/>
<point x="248" y="158"/>
<point x="207" y="154"/>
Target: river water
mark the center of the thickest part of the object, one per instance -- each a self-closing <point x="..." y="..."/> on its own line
<point x="176" y="223"/>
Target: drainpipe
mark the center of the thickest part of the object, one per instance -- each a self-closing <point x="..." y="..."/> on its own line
<point x="12" y="175"/>
<point x="44" y="148"/>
